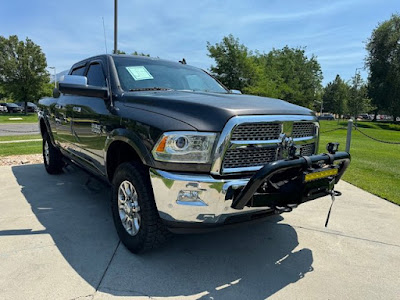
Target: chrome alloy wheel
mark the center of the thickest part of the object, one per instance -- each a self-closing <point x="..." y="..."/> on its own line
<point x="128" y="207"/>
<point x="46" y="152"/>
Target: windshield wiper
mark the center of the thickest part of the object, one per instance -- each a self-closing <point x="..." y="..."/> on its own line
<point x="155" y="88"/>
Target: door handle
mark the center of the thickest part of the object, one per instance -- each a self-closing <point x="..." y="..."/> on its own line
<point x="76" y="109"/>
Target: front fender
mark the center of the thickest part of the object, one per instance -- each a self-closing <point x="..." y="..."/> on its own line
<point x="132" y="139"/>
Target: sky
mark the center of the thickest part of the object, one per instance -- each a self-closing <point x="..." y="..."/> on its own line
<point x="68" y="31"/>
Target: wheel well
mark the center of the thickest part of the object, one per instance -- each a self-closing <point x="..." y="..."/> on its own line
<point x="43" y="128"/>
<point x="118" y="153"/>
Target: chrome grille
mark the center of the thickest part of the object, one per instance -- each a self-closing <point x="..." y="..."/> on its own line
<point x="248" y="157"/>
<point x="256" y="132"/>
<point x="247" y="143"/>
<point x="303" y="130"/>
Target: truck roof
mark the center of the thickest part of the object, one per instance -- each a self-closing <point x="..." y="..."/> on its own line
<point x="139" y="57"/>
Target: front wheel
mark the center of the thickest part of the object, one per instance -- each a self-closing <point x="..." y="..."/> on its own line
<point x="135" y="214"/>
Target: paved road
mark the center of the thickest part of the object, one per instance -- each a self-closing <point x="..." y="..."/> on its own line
<point x="19" y="129"/>
<point x="57" y="241"/>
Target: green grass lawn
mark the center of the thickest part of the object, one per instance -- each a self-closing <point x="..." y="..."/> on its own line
<point x="20" y="148"/>
<point x="30" y="118"/>
<point x="20" y="137"/>
<point x="375" y="167"/>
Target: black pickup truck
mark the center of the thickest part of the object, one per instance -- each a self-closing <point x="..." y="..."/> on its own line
<point x="182" y="152"/>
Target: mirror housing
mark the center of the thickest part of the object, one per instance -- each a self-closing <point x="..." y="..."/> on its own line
<point x="236" y="92"/>
<point x="77" y="85"/>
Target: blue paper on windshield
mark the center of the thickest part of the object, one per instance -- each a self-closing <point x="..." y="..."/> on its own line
<point x="139" y="72"/>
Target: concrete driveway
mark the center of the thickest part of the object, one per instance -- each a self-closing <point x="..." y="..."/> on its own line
<point x="57" y="241"/>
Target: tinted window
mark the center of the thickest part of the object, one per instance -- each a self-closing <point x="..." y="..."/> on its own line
<point x="95" y="75"/>
<point x="78" y="71"/>
<point x="140" y="73"/>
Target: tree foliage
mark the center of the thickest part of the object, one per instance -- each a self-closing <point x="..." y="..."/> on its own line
<point x="140" y="54"/>
<point x="383" y="62"/>
<point x="336" y="95"/>
<point x="234" y="66"/>
<point x="358" y="101"/>
<point x="285" y="73"/>
<point x="23" y="74"/>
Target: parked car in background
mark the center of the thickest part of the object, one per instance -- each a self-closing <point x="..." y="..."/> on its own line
<point x="3" y="108"/>
<point x="364" y="117"/>
<point x="326" y="117"/>
<point x="12" y="107"/>
<point x="30" y="107"/>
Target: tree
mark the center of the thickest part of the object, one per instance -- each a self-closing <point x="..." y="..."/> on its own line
<point x="383" y="62"/>
<point x="335" y="96"/>
<point x="2" y="93"/>
<point x="140" y="54"/>
<point x="23" y="74"/>
<point x="358" y="101"/>
<point x="297" y="78"/>
<point x="285" y="73"/>
<point x="233" y="66"/>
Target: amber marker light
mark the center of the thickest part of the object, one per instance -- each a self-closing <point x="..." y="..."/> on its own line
<point x="161" y="145"/>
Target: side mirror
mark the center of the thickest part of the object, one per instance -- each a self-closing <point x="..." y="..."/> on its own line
<point x="236" y="92"/>
<point x="77" y="85"/>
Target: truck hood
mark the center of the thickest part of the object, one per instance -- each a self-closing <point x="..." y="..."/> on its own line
<point x="208" y="111"/>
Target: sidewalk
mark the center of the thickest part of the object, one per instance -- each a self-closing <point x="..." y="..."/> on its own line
<point x="19" y="129"/>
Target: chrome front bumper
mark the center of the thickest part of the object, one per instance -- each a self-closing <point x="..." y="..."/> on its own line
<point x="184" y="198"/>
<point x="202" y="199"/>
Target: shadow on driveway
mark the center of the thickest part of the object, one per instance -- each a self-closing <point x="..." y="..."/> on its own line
<point x="248" y="262"/>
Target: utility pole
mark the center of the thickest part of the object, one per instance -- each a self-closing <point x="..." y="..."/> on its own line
<point x="356" y="89"/>
<point x="356" y="77"/>
<point x="322" y="106"/>
<point x="115" y="26"/>
<point x="55" y="76"/>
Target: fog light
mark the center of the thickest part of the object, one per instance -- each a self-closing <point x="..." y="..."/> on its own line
<point x="332" y="147"/>
<point x="190" y="197"/>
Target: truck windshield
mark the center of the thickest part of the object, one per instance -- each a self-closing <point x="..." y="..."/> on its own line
<point x="142" y="74"/>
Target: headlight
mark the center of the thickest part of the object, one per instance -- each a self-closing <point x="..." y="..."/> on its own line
<point x="185" y="147"/>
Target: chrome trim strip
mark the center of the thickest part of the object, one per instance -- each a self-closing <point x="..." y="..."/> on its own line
<point x="224" y="142"/>
<point x="240" y="170"/>
<point x="269" y="143"/>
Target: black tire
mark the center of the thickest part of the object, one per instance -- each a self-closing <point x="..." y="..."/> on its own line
<point x="53" y="162"/>
<point x="151" y="232"/>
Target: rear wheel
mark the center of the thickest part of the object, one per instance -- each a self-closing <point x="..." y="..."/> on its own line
<point x="135" y="214"/>
<point x="52" y="157"/>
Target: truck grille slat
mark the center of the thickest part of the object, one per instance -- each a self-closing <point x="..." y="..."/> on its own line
<point x="303" y="130"/>
<point x="307" y="149"/>
<point x="248" y="157"/>
<point x="256" y="132"/>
